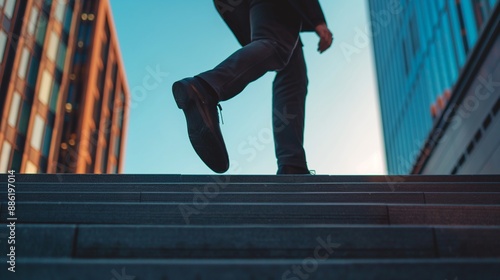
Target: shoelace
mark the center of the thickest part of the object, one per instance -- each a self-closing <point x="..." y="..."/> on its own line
<point x="220" y="113"/>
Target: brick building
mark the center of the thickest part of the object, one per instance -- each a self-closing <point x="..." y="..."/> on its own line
<point x="63" y="91"/>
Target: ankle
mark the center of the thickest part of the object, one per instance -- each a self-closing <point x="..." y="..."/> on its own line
<point x="208" y="88"/>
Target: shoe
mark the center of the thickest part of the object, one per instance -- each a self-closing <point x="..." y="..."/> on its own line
<point x="292" y="170"/>
<point x="200" y="109"/>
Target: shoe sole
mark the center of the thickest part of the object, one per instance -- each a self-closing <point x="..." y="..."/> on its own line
<point x="205" y="143"/>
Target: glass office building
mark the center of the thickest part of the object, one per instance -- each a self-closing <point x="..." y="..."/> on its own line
<point x="420" y="48"/>
<point x="465" y="138"/>
<point x="63" y="91"/>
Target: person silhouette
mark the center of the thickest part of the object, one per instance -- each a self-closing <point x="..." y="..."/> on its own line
<point x="269" y="32"/>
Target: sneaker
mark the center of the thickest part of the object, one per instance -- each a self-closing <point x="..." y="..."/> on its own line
<point x="292" y="170"/>
<point x="200" y="108"/>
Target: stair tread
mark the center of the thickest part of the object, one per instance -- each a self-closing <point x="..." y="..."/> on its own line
<point x="187" y="197"/>
<point x="254" y="227"/>
<point x="57" y="178"/>
<point x="94" y="241"/>
<point x="229" y="269"/>
<point x="256" y="187"/>
<point x="255" y="213"/>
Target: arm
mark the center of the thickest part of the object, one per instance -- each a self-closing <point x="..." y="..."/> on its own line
<point x="326" y="37"/>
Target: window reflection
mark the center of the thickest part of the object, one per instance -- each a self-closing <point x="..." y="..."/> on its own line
<point x="60" y="7"/>
<point x="32" y="21"/>
<point x="37" y="133"/>
<point x="5" y="157"/>
<point x="14" y="109"/>
<point x="23" y="65"/>
<point x="45" y="87"/>
<point x="10" y="5"/>
<point x="53" y="46"/>
<point x="3" y="44"/>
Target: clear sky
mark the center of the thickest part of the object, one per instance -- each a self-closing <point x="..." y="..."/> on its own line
<point x="183" y="38"/>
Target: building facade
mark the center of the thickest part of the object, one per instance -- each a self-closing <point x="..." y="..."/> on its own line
<point x="465" y="138"/>
<point x="64" y="96"/>
<point x="420" y="49"/>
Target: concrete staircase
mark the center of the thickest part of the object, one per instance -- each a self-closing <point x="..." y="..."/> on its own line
<point x="127" y="227"/>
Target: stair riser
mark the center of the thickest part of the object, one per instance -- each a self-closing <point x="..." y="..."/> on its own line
<point x="285" y="213"/>
<point x="262" y="179"/>
<point x="245" y="187"/>
<point x="250" y="242"/>
<point x="429" y="270"/>
<point x="254" y="227"/>
<point x="399" y="198"/>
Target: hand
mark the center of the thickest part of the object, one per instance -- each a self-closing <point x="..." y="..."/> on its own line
<point x="326" y="37"/>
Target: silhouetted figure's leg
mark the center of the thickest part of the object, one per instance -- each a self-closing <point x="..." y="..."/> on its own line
<point x="274" y="29"/>
<point x="269" y="32"/>
<point x="289" y="90"/>
<point x="289" y="98"/>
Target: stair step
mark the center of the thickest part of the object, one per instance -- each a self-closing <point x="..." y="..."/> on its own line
<point x="206" y="213"/>
<point x="113" y="178"/>
<point x="253" y="227"/>
<point x="120" y="241"/>
<point x="462" y="198"/>
<point x="255" y="187"/>
<point x="327" y="197"/>
<point x="441" y="269"/>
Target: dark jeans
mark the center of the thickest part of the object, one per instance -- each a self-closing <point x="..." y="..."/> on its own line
<point x="269" y="31"/>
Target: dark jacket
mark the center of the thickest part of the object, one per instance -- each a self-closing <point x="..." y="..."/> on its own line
<point x="311" y="13"/>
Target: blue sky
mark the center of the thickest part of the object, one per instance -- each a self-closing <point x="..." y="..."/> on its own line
<point x="181" y="39"/>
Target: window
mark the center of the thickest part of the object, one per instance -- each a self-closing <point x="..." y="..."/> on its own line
<point x="122" y="100"/>
<point x="104" y="51"/>
<point x="106" y="44"/>
<point x="111" y="98"/>
<point x="31" y="168"/>
<point x="47" y="141"/>
<point x="481" y="12"/>
<point x="33" y="71"/>
<point x="117" y="145"/>
<point x="37" y="133"/>
<point x="52" y="47"/>
<point x="67" y="20"/>
<point x="45" y="87"/>
<point x="9" y="8"/>
<point x="32" y="21"/>
<point x="118" y="140"/>
<point x="101" y="80"/>
<point x="61" y="56"/>
<point x="41" y="29"/>
<point x="60" y="7"/>
<point x="405" y="58"/>
<point x="97" y="111"/>
<point x="17" y="159"/>
<point x="462" y="26"/>
<point x="14" y="109"/>
<point x="25" y="118"/>
<point x="55" y="97"/>
<point x="415" y="36"/>
<point x="23" y="66"/>
<point x="5" y="157"/>
<point x="3" y="43"/>
<point x="104" y="160"/>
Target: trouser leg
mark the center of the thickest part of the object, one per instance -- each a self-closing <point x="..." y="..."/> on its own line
<point x="289" y="98"/>
<point x="274" y="32"/>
